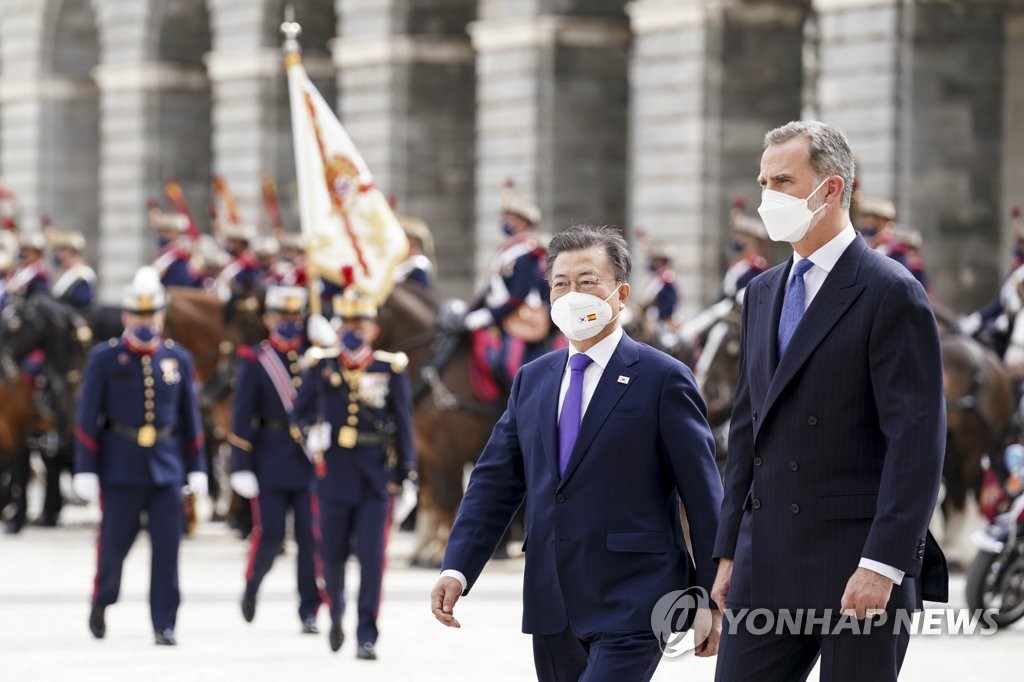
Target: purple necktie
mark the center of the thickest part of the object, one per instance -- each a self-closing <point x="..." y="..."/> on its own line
<point x="793" y="305"/>
<point x="569" y="419"/>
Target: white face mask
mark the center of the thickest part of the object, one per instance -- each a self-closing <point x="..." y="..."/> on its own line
<point x="581" y="316"/>
<point x="787" y="218"/>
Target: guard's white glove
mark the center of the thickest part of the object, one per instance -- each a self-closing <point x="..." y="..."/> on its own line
<point x="320" y="332"/>
<point x="245" y="484"/>
<point x="198" y="483"/>
<point x="478" y="319"/>
<point x="1014" y="359"/>
<point x="86" y="486"/>
<point x="970" y="325"/>
<point x="319" y="439"/>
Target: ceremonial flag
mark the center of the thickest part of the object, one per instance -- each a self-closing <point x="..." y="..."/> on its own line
<point x="350" y="230"/>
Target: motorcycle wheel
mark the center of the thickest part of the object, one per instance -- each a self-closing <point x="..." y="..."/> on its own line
<point x="997" y="582"/>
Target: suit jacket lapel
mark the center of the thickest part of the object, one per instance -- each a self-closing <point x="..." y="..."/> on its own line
<point x="764" y="325"/>
<point x="607" y="394"/>
<point x="836" y="295"/>
<point x="548" y="409"/>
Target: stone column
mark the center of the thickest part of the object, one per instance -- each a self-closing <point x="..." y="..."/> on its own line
<point x="23" y="92"/>
<point x="406" y="96"/>
<point x="551" y="112"/>
<point x="918" y="86"/>
<point x="708" y="80"/>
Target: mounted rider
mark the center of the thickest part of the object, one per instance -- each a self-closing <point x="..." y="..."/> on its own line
<point x="76" y="281"/>
<point x="418" y="266"/>
<point x="510" y="318"/>
<point x="173" y="260"/>
<point x="31" y="276"/>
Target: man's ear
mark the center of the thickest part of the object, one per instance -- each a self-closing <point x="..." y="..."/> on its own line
<point x="835" y="186"/>
<point x="623" y="294"/>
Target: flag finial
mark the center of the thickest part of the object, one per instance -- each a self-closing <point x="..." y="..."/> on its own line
<point x="291" y="30"/>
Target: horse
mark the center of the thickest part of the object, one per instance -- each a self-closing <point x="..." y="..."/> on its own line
<point x="18" y="419"/>
<point x="450" y="424"/>
<point x="979" y="421"/>
<point x="199" y="321"/>
<point x="53" y="337"/>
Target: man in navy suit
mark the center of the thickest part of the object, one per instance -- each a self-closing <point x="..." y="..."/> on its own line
<point x="604" y="439"/>
<point x="837" y="435"/>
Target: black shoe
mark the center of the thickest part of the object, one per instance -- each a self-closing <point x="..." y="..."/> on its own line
<point x="97" y="623"/>
<point x="366" y="652"/>
<point x="248" y="608"/>
<point x="335" y="636"/>
<point x="165" y="637"/>
<point x="309" y="626"/>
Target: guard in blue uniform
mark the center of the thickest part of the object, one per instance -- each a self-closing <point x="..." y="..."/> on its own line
<point x="139" y="438"/>
<point x="356" y="411"/>
<point x="76" y="281"/>
<point x="268" y="463"/>
<point x="173" y="260"/>
<point x="31" y="276"/>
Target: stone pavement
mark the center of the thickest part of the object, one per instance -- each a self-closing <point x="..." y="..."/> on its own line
<point x="46" y="576"/>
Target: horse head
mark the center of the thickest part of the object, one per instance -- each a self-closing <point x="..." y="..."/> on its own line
<point x="243" y="319"/>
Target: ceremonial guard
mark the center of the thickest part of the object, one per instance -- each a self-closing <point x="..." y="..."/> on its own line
<point x="660" y="296"/>
<point x="31" y="276"/>
<point x="173" y="261"/>
<point x="241" y="276"/>
<point x="139" y="439"/>
<point x="268" y="464"/>
<point x="418" y="266"/>
<point x="877" y="227"/>
<point x="750" y="247"/>
<point x="6" y="263"/>
<point x="292" y="266"/>
<point x="356" y="411"/>
<point x="515" y="299"/>
<point x="75" y="281"/>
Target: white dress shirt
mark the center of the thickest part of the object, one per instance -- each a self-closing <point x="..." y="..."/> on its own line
<point x="601" y="354"/>
<point x="825" y="259"/>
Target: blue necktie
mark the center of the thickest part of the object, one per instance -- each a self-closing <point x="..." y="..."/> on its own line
<point x="572" y="409"/>
<point x="793" y="305"/>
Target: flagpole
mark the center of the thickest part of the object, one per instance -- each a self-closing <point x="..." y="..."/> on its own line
<point x="293" y="64"/>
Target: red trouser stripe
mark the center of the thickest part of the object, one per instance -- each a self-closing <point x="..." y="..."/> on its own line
<point x="254" y="539"/>
<point x="318" y="559"/>
<point x="384" y="553"/>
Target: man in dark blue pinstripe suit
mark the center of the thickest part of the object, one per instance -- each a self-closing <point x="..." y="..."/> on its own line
<point x="837" y="437"/>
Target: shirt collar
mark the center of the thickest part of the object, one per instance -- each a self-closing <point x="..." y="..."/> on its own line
<point x="828" y="255"/>
<point x="602" y="351"/>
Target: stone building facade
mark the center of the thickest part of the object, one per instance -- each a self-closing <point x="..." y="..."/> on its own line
<point x="643" y="112"/>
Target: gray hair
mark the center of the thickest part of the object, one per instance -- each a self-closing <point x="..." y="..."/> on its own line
<point x="829" y="151"/>
<point x="582" y="236"/>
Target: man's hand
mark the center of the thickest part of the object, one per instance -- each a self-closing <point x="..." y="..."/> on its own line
<point x="442" y="600"/>
<point x="867" y="594"/>
<point x="720" y="590"/>
<point x="707" y="629"/>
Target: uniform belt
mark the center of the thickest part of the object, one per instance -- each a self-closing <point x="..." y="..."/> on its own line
<point x="273" y="424"/>
<point x="373" y="439"/>
<point x="133" y="431"/>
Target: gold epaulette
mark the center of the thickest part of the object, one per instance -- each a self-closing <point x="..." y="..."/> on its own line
<point x="398" y="361"/>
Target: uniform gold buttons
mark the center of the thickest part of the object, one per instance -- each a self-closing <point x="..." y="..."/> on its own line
<point x="353" y="420"/>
